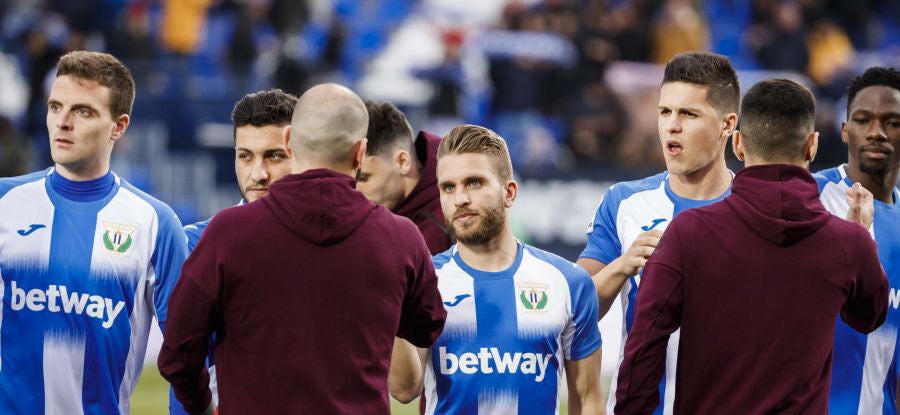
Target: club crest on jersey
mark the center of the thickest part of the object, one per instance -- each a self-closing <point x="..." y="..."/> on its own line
<point x="118" y="238"/>
<point x="533" y="296"/>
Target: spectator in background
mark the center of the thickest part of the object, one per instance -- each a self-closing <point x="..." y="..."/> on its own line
<point x="14" y="150"/>
<point x="133" y="41"/>
<point x="679" y="27"/>
<point x="597" y="118"/>
<point x="182" y="26"/>
<point x="780" y="41"/>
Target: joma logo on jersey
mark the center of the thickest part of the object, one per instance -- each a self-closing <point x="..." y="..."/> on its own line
<point x="490" y="360"/>
<point x="533" y="296"/>
<point x="118" y="238"/>
<point x="72" y="303"/>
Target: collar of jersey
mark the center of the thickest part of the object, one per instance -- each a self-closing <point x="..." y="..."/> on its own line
<point x="496" y="275"/>
<point x="64" y="201"/>
<point x="683" y="203"/>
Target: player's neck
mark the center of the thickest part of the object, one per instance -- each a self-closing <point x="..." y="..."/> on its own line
<point x="704" y="184"/>
<point x="82" y="173"/>
<point x="494" y="256"/>
<point x="881" y="186"/>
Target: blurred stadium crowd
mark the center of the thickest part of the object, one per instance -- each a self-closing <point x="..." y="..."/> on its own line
<point x="571" y="84"/>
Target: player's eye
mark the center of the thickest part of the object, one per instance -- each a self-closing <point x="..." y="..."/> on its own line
<point x="861" y="121"/>
<point x="690" y="114"/>
<point x="893" y="123"/>
<point x="449" y="188"/>
<point x="475" y="184"/>
<point x="243" y="156"/>
<point x="665" y="111"/>
<point x="54" y="107"/>
<point x="277" y="156"/>
<point x="83" y="112"/>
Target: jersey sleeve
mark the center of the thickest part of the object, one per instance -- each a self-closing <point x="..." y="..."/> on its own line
<point x="602" y="236"/>
<point x="581" y="337"/>
<point x="167" y="259"/>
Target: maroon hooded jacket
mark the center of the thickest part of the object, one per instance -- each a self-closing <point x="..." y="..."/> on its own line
<point x="423" y="205"/>
<point x="755" y="283"/>
<point x="305" y="291"/>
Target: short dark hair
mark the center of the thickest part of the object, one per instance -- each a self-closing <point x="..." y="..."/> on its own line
<point x="874" y="76"/>
<point x="264" y="108"/>
<point x="777" y="116"/>
<point x="708" y="70"/>
<point x="388" y="128"/>
<point x="105" y="70"/>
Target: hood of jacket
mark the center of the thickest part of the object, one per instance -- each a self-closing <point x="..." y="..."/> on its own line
<point x="779" y="202"/>
<point x="320" y="205"/>
<point x="425" y="192"/>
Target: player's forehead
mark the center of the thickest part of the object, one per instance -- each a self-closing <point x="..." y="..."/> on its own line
<point x="69" y="91"/>
<point x="676" y="95"/>
<point x="462" y="166"/>
<point x="876" y="99"/>
<point x="259" y="139"/>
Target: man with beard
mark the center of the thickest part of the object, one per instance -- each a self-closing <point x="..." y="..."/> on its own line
<point x="260" y="158"/>
<point x="866" y="368"/>
<point x="260" y="155"/>
<point x="516" y="315"/>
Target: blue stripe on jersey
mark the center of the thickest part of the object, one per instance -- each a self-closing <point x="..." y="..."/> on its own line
<point x="74" y="226"/>
<point x="629" y="313"/>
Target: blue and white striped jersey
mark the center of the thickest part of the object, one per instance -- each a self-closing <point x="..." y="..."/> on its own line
<point x="627" y="209"/>
<point x="80" y="281"/>
<point x="508" y="333"/>
<point x="865" y="371"/>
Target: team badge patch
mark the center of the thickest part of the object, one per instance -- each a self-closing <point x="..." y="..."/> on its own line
<point x="533" y="296"/>
<point x="118" y="238"/>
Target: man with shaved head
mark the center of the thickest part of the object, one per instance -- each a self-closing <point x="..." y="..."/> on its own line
<point x="306" y="289"/>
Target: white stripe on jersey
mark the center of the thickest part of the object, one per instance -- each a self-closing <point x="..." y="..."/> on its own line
<point x="498" y="402"/>
<point x="63" y="374"/>
<point x="879" y="349"/>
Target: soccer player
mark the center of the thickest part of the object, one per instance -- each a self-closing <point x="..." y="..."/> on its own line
<point x="866" y="367"/>
<point x="517" y="316"/>
<point x="755" y="282"/>
<point x="399" y="173"/>
<point x="260" y="154"/>
<point x="86" y="259"/>
<point x="260" y="158"/>
<point x="306" y="288"/>
<point x="697" y="112"/>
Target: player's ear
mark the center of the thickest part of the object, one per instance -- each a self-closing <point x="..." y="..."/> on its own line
<point x="844" y="136"/>
<point x="812" y="145"/>
<point x="510" y="192"/>
<point x="359" y="152"/>
<point x="286" y="138"/>
<point x="119" y="128"/>
<point x="403" y="161"/>
<point x="737" y="145"/>
<point x="729" y="124"/>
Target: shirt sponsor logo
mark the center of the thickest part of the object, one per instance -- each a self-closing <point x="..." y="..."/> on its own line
<point x="894" y="299"/>
<point x="490" y="360"/>
<point x="57" y="298"/>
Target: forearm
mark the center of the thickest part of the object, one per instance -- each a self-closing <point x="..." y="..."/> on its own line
<point x="406" y="372"/>
<point x="609" y="282"/>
